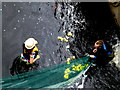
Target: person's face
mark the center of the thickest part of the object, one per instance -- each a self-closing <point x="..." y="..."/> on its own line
<point x="96" y="45"/>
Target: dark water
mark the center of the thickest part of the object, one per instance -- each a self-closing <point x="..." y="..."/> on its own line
<point x="46" y="21"/>
<point x="107" y="77"/>
<point x="24" y="20"/>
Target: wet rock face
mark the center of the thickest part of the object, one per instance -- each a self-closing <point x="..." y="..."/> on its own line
<point x="90" y="22"/>
<point x="99" y="25"/>
<point x="117" y="56"/>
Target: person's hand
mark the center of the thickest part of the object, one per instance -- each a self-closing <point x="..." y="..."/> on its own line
<point x="92" y="56"/>
<point x="21" y="54"/>
<point x="31" y="60"/>
<point x="95" y="50"/>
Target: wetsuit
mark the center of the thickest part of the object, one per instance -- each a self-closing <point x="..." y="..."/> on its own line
<point x="102" y="54"/>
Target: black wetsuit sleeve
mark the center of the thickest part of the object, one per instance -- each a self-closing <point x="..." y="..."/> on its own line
<point x="100" y="54"/>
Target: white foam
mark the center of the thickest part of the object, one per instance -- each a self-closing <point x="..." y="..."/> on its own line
<point x="19" y="11"/>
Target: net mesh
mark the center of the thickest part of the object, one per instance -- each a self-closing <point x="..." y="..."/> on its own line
<point x="56" y="76"/>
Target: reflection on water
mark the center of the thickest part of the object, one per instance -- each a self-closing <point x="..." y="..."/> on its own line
<point x="19" y="66"/>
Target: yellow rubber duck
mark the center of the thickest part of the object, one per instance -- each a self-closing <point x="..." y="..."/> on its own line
<point x="73" y="57"/>
<point x="69" y="34"/>
<point x="65" y="39"/>
<point x="66" y="76"/>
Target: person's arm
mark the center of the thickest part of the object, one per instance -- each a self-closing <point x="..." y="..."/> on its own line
<point x="93" y="56"/>
<point x="32" y="56"/>
<point x="95" y="50"/>
<point x="31" y="60"/>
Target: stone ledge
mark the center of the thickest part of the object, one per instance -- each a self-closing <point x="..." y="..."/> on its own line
<point x="116" y="59"/>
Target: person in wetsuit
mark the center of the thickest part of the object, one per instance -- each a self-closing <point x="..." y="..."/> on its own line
<point x="102" y="53"/>
<point x="30" y="51"/>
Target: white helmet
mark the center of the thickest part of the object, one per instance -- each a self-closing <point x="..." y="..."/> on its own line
<point x="30" y="43"/>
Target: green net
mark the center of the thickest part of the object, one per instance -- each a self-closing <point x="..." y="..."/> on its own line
<point x="56" y="76"/>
